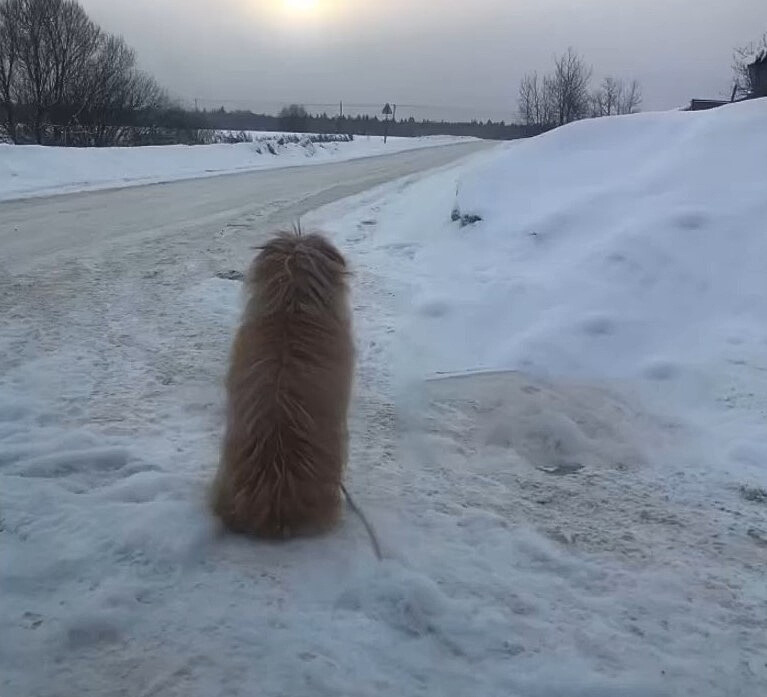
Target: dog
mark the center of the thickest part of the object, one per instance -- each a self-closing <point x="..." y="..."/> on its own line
<point x="288" y="389"/>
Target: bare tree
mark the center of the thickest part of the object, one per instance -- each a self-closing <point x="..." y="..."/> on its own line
<point x="37" y="58"/>
<point x="563" y="96"/>
<point x="112" y="90"/>
<point x="535" y="100"/>
<point x="615" y="97"/>
<point x="74" y="39"/>
<point x="528" y="92"/>
<point x="559" y="98"/>
<point x="569" y="88"/>
<point x="116" y="97"/>
<point x="9" y="67"/>
<point x="607" y="97"/>
<point x="55" y="41"/>
<point x="742" y="56"/>
<point x="57" y="66"/>
<point x="630" y="98"/>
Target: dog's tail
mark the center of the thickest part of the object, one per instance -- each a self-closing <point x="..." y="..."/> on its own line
<point x="371" y="533"/>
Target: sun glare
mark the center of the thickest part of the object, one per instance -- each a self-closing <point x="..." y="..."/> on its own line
<point x="298" y="18"/>
<point x="301" y="7"/>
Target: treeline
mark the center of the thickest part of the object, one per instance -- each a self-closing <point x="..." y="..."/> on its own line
<point x="295" y="118"/>
<point x="566" y="95"/>
<point x="59" y="68"/>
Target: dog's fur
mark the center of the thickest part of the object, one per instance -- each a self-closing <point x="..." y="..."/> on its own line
<point x="289" y="385"/>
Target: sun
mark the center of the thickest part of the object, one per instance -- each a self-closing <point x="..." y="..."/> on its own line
<point x="301" y="7"/>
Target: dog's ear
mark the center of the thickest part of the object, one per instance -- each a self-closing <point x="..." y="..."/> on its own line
<point x="334" y="255"/>
<point x="324" y="247"/>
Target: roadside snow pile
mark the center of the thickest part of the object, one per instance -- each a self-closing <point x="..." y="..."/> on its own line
<point x="577" y="341"/>
<point x="230" y="137"/>
<point x="617" y="248"/>
<point x="31" y="170"/>
<point x="627" y="249"/>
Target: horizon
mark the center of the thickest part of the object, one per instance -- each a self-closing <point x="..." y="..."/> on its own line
<point x="260" y="55"/>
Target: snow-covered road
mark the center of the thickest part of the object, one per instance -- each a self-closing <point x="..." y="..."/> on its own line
<point x="114" y="334"/>
<point x="33" y="230"/>
<point x="34" y="170"/>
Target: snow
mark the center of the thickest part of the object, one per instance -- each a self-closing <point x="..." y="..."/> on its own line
<point x="557" y="432"/>
<point x="32" y="170"/>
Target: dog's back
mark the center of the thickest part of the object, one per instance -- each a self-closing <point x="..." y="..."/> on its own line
<point x="288" y="387"/>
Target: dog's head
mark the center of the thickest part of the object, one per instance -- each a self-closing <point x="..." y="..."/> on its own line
<point x="299" y="267"/>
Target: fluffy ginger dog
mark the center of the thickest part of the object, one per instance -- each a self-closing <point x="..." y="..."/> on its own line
<point x="288" y="391"/>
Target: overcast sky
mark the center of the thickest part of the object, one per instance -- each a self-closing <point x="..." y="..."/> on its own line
<point x="455" y="57"/>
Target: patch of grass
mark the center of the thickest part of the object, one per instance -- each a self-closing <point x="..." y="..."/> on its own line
<point x="465" y="219"/>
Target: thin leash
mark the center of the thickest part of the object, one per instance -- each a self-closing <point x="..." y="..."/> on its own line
<point x="371" y="533"/>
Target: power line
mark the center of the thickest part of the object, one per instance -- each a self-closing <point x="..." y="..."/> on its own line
<point x="346" y="110"/>
<point x="344" y="106"/>
<point x="358" y="105"/>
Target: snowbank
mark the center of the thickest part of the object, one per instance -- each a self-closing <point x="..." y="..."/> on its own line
<point x="35" y="171"/>
<point x="587" y="361"/>
<point x="625" y="249"/>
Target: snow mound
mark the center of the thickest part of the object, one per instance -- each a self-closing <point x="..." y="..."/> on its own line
<point x="574" y="329"/>
<point x="625" y="249"/>
<point x="621" y="247"/>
